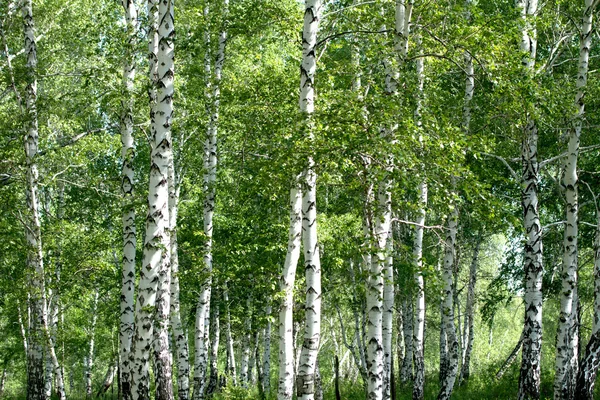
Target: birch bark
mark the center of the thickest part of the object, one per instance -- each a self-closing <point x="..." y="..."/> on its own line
<point x="35" y="264"/>
<point x="127" y="186"/>
<point x="179" y="334"/>
<point x="156" y="242"/>
<point x="209" y="189"/>
<point x="469" y="331"/>
<point x="567" y="339"/>
<point x="230" y="368"/>
<point x="586" y="378"/>
<point x="267" y="351"/>
<point x="419" y="328"/>
<point x="529" y="379"/>
<point x="305" y="380"/>
<point x="89" y="365"/>
<point x="589" y="364"/>
<point x="448" y="304"/>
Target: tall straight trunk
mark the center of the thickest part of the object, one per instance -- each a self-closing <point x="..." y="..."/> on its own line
<point x="448" y="304"/>
<point x="209" y="190"/>
<point x="469" y="330"/>
<point x="305" y="380"/>
<point x="127" y="186"/>
<point x="407" y="371"/>
<point x="89" y="365"/>
<point x="230" y="367"/>
<point x="164" y="111"/>
<point x="419" y="328"/>
<point x="3" y="379"/>
<point x="215" y="331"/>
<point x="49" y="367"/>
<point x="388" y="318"/>
<point x="246" y="338"/>
<point x="588" y="370"/>
<point x="567" y="339"/>
<point x="586" y="378"/>
<point x="286" y="285"/>
<point x="444" y="360"/>
<point x="399" y="335"/>
<point x="179" y="334"/>
<point x="266" y="382"/>
<point x="156" y="242"/>
<point x="254" y="346"/>
<point x="35" y="264"/>
<point x="529" y="379"/>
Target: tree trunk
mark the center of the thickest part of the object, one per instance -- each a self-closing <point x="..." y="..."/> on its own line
<point x="511" y="358"/>
<point x="89" y="364"/>
<point x="35" y="264"/>
<point x="179" y="334"/>
<point x="567" y="355"/>
<point x="156" y="243"/>
<point x="305" y="380"/>
<point x="419" y="328"/>
<point x="209" y="188"/>
<point x="529" y="379"/>
<point x="266" y="382"/>
<point x="286" y="317"/>
<point x="388" y="318"/>
<point x="127" y="186"/>
<point x="469" y="332"/>
<point x="230" y="368"/>
<point x="448" y="304"/>
<point x="215" y="332"/>
<point x="407" y="371"/>
<point x="245" y="358"/>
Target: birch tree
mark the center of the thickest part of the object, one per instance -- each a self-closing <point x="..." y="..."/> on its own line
<point x="156" y="242"/>
<point x="210" y="178"/>
<point x="567" y="339"/>
<point x="305" y="380"/>
<point x="127" y="185"/>
<point x="529" y="379"/>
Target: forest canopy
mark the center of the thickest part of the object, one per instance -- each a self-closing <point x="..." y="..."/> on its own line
<point x="283" y="199"/>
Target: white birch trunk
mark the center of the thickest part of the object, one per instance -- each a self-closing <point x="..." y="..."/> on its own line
<point x="388" y="318"/>
<point x="245" y="358"/>
<point x="89" y="364"/>
<point x="252" y="370"/>
<point x="469" y="330"/>
<point x="230" y="368"/>
<point x="419" y="326"/>
<point x="567" y="338"/>
<point x="210" y="177"/>
<point x="35" y="264"/>
<point x="448" y="304"/>
<point x="305" y="380"/>
<point x="286" y="317"/>
<point x="267" y="351"/>
<point x="127" y="186"/>
<point x="529" y="379"/>
<point x="179" y="334"/>
<point x="589" y="364"/>
<point x="156" y="242"/>
<point x="215" y="331"/>
<point x="586" y="378"/>
<point x="163" y="119"/>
